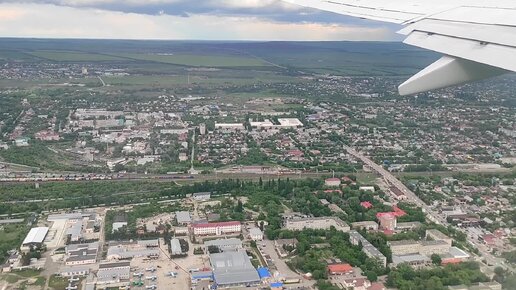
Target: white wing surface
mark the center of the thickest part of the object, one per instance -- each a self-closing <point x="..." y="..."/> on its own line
<point x="476" y="37"/>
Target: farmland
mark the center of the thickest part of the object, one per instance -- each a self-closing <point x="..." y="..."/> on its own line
<point x="73" y="56"/>
<point x="198" y="60"/>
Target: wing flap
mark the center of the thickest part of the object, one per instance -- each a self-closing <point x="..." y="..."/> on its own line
<point x="361" y="9"/>
<point x="483" y="15"/>
<point x="503" y="35"/>
<point x="475" y="50"/>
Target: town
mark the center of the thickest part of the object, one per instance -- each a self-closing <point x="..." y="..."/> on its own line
<point x="123" y="171"/>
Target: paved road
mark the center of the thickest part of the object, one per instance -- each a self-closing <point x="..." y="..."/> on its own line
<point x="432" y="215"/>
<point x="282" y="268"/>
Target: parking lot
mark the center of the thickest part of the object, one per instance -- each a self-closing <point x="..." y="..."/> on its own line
<point x="156" y="272"/>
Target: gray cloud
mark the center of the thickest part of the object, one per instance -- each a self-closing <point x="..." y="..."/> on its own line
<point x="181" y="19"/>
<point x="276" y="10"/>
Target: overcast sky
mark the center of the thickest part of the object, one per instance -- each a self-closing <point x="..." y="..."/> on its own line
<point x="182" y="20"/>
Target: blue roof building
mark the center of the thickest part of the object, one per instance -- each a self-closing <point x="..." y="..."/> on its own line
<point x="263" y="273"/>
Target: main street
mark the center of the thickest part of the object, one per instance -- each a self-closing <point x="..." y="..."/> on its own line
<point x="432" y="215"/>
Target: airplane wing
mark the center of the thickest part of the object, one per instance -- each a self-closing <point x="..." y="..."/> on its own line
<point x="476" y="37"/>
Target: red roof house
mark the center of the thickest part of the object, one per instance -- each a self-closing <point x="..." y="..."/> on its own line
<point x="339" y="269"/>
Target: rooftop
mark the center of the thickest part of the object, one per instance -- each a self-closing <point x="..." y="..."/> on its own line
<point x="409" y="258"/>
<point x="433" y="243"/>
<point x="402" y="243"/>
<point x="175" y="246"/>
<point x="340" y="268"/>
<point x="232" y="242"/>
<point x="255" y="232"/>
<point x="233" y="268"/>
<point x="115" y="265"/>
<point x="36" y="235"/>
<point x="437" y="234"/>
<point x="214" y="225"/>
<point x="82" y="258"/>
<point x="458" y="253"/>
<point x="183" y="217"/>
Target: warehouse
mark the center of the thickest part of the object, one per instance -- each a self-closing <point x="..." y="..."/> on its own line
<point x="34" y="238"/>
<point x="233" y="269"/>
<point x="175" y="247"/>
<point x="183" y="217"/>
<point x="113" y="274"/>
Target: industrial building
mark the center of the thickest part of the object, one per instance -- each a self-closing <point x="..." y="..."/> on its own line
<point x="34" y="238"/>
<point x="183" y="218"/>
<point x="175" y="247"/>
<point x="119" y="222"/>
<point x="233" y="269"/>
<point x="133" y="250"/>
<point x="81" y="254"/>
<point x="74" y="271"/>
<point x="113" y="274"/>
<point x="79" y="226"/>
<point x="224" y="245"/>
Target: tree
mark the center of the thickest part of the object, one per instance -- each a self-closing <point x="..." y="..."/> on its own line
<point x="239" y="207"/>
<point x="436" y="259"/>
<point x="499" y="274"/>
<point x="510" y="256"/>
<point x="371" y="276"/>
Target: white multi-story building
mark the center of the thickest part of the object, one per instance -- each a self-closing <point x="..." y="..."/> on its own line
<point x="219" y="228"/>
<point x="357" y="239"/>
<point x="316" y="223"/>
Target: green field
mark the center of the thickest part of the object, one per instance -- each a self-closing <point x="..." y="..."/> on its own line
<point x="342" y="58"/>
<point x="11" y="236"/>
<point x="73" y="56"/>
<point x="58" y="283"/>
<point x="15" y="55"/>
<point x="198" y="60"/>
<point x="174" y="80"/>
